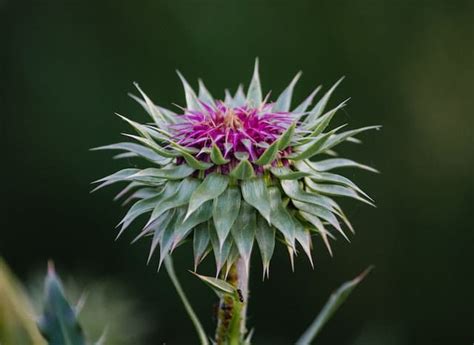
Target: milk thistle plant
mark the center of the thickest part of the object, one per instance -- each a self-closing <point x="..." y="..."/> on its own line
<point x="232" y="175"/>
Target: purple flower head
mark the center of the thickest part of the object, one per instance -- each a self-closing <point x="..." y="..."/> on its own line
<point x="237" y="131"/>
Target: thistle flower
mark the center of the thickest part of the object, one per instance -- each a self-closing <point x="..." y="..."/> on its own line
<point x="234" y="172"/>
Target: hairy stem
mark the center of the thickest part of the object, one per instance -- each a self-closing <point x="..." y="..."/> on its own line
<point x="231" y="315"/>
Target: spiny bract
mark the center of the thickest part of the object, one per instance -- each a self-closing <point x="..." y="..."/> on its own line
<point x="229" y="173"/>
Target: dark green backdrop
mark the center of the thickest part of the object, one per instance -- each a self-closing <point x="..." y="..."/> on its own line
<point x="68" y="65"/>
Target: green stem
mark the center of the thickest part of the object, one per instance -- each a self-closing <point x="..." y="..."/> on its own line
<point x="231" y="316"/>
<point x="192" y="315"/>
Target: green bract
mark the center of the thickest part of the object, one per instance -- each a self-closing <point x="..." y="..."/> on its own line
<point x="237" y="174"/>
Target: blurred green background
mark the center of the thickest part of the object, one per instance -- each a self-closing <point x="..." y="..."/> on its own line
<point x="68" y="65"/>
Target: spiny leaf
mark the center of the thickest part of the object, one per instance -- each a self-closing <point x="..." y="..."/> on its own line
<point x="280" y="218"/>
<point x="219" y="286"/>
<point x="216" y="156"/>
<point x="136" y="149"/>
<point x="172" y="172"/>
<point x="243" y="232"/>
<point x="334" y="163"/>
<point x="306" y="103"/>
<point x="323" y="122"/>
<point x="200" y="243"/>
<point x="321" y="213"/>
<point x="304" y="239"/>
<point x="339" y="138"/>
<point x="182" y="228"/>
<point x="190" y="159"/>
<point x="221" y="253"/>
<point x="309" y="149"/>
<point x="225" y="211"/>
<point x="283" y="101"/>
<point x="192" y="101"/>
<point x="157" y="229"/>
<point x="255" y="193"/>
<point x="185" y="189"/>
<point x="147" y="205"/>
<point x="336" y="190"/>
<point x="285" y="139"/>
<point x="337" y="298"/>
<point x="243" y="170"/>
<point x="239" y="97"/>
<point x="154" y="146"/>
<point x="161" y="118"/>
<point x="118" y="176"/>
<point x="167" y="237"/>
<point x="213" y="185"/>
<point x="268" y="155"/>
<point x="318" y="109"/>
<point x="254" y="94"/>
<point x="59" y="323"/>
<point x="293" y="190"/>
<point x="319" y="227"/>
<point x="265" y="235"/>
<point x="284" y="173"/>
<point x="204" y="94"/>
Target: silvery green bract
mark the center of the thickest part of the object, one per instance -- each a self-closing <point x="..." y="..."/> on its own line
<point x="236" y="174"/>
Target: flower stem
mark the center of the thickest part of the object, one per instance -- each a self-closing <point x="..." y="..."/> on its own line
<point x="231" y="316"/>
<point x="192" y="315"/>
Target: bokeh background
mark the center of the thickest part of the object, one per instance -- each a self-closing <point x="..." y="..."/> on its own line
<point x="67" y="67"/>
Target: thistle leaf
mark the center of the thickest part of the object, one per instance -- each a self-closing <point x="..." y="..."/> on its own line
<point x="167" y="238"/>
<point x="339" y="138"/>
<point x="243" y="231"/>
<point x="280" y="218"/>
<point x="318" y="109"/>
<point x="337" y="298"/>
<point x="219" y="286"/>
<point x="150" y="108"/>
<point x="283" y="101"/>
<point x="157" y="229"/>
<point x="216" y="156"/>
<point x="284" y="173"/>
<point x="255" y="193"/>
<point x="136" y="149"/>
<point x="285" y="139"/>
<point x="293" y="190"/>
<point x="200" y="243"/>
<point x="323" y="122"/>
<point x="182" y="228"/>
<point x="221" y="253"/>
<point x="58" y="323"/>
<point x="118" y="176"/>
<point x="269" y="154"/>
<point x="313" y="220"/>
<point x="190" y="159"/>
<point x="336" y="190"/>
<point x="306" y="103"/>
<point x="225" y="211"/>
<point x="192" y="101"/>
<point x="334" y="163"/>
<point x="147" y="205"/>
<point x="204" y="94"/>
<point x="309" y="149"/>
<point x="254" y="93"/>
<point x="265" y="235"/>
<point x="239" y="97"/>
<point x="213" y="185"/>
<point x="186" y="188"/>
<point x="243" y="170"/>
<point x="304" y="239"/>
<point x="322" y="213"/>
<point x="172" y="172"/>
